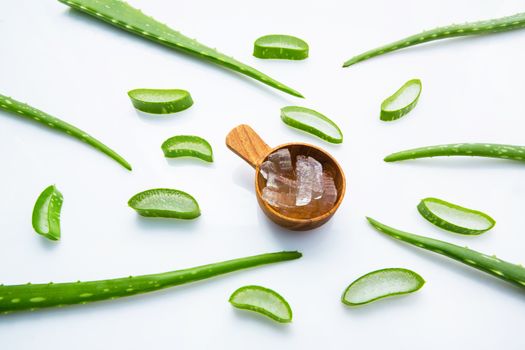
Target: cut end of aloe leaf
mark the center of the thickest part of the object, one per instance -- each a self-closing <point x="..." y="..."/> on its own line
<point x="160" y="101"/>
<point x="165" y="202"/>
<point x="381" y="284"/>
<point x="277" y="46"/>
<point x="312" y="122"/>
<point x="187" y="146"/>
<point x="402" y="101"/>
<point x="46" y="213"/>
<point x="264" y="301"/>
<point x="455" y="218"/>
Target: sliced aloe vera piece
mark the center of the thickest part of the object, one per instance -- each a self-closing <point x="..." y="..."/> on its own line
<point x="381" y="284"/>
<point x="166" y="203"/>
<point x="46" y="213"/>
<point x="187" y="146"/>
<point x="264" y="301"/>
<point x="160" y="101"/>
<point x="454" y="218"/>
<point x="280" y="46"/>
<point x="312" y="122"/>
<point x="402" y="101"/>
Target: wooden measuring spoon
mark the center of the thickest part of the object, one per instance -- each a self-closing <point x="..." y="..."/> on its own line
<point x="245" y="142"/>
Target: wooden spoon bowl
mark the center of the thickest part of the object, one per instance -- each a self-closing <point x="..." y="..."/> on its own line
<point x="245" y="142"/>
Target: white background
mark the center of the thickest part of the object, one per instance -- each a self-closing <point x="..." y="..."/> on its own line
<point x="80" y="69"/>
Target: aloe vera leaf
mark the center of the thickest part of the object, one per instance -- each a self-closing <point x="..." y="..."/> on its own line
<point x="512" y="273"/>
<point x="402" y="101"/>
<point x="35" y="296"/>
<point x="165" y="203"/>
<point x="23" y="110"/>
<point x="455" y="218"/>
<point x="381" y="284"/>
<point x="280" y="46"/>
<point x="46" y="213"/>
<point x="312" y="122"/>
<point x="160" y="101"/>
<point x="187" y="146"/>
<point x="264" y="301"/>
<point x="502" y="24"/>
<point x="489" y="150"/>
<point x="120" y="14"/>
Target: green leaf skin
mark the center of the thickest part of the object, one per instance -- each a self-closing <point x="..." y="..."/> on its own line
<point x="278" y="46"/>
<point x="264" y="301"/>
<point x="514" y="274"/>
<point x="46" y="213"/>
<point x="412" y="87"/>
<point x="187" y="146"/>
<point x="165" y="203"/>
<point x="160" y="101"/>
<point x="23" y="110"/>
<point x="311" y="122"/>
<point x="488" y="150"/>
<point x="35" y="296"/>
<point x="393" y="281"/>
<point x="120" y="14"/>
<point x="502" y="24"/>
<point x="425" y="209"/>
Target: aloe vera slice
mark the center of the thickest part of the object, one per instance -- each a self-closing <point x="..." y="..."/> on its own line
<point x="46" y="213"/>
<point x="264" y="301"/>
<point x="187" y="146"/>
<point x="402" y="101"/>
<point x="501" y="269"/>
<point x="160" y="101"/>
<point x="120" y="14"/>
<point x="312" y="122"/>
<point x="454" y="218"/>
<point x="166" y="203"/>
<point x="381" y="284"/>
<point x="280" y="46"/>
<point x="489" y="150"/>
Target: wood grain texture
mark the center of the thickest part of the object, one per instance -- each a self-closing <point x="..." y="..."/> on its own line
<point x="247" y="144"/>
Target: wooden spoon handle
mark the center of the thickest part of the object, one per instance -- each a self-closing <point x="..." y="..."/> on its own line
<point x="245" y="143"/>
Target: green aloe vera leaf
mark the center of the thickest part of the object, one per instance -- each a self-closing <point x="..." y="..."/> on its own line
<point x="489" y="150"/>
<point x="35" y="296"/>
<point x="187" y="146"/>
<point x="165" y="203"/>
<point x="46" y="213"/>
<point x="312" y="122"/>
<point x="120" y="14"/>
<point x="23" y="110"/>
<point x="381" y="284"/>
<point x="501" y="269"/>
<point x="402" y="101"/>
<point x="496" y="25"/>
<point x="455" y="218"/>
<point x="264" y="301"/>
<point x="280" y="46"/>
<point x="160" y="101"/>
